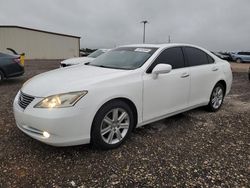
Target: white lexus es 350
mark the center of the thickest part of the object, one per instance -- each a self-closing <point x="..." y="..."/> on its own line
<point x="127" y="87"/>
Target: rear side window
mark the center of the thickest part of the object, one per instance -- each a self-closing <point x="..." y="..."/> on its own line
<point x="244" y="53"/>
<point x="197" y="57"/>
<point x="210" y="59"/>
<point x="172" y="56"/>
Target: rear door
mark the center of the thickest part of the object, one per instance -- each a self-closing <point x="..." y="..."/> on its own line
<point x="203" y="72"/>
<point x="169" y="92"/>
<point x="247" y="56"/>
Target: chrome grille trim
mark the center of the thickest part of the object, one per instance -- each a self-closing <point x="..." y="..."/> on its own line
<point x="24" y="100"/>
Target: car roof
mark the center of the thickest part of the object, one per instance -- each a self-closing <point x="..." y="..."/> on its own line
<point x="168" y="45"/>
<point x="159" y="45"/>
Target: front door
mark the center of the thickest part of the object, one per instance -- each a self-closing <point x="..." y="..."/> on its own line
<point x="169" y="92"/>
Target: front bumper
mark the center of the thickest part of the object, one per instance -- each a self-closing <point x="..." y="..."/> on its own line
<point x="66" y="126"/>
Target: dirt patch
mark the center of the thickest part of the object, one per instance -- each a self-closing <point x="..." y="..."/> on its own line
<point x="240" y="67"/>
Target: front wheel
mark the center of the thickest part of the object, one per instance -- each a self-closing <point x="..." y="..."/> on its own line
<point x="216" y="98"/>
<point x="112" y="125"/>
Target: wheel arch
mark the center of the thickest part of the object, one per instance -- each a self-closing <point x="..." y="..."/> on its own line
<point x="127" y="101"/>
<point x="224" y="84"/>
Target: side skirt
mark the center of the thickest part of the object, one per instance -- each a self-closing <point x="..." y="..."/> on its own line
<point x="169" y="115"/>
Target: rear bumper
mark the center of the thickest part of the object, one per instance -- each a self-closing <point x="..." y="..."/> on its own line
<point x="14" y="70"/>
<point x="16" y="74"/>
<point x="229" y="81"/>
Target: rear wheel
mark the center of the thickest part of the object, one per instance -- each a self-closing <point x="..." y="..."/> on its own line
<point x="238" y="60"/>
<point x="216" y="98"/>
<point x="1" y="75"/>
<point x="112" y="125"/>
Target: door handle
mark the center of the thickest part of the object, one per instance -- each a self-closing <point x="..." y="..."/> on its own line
<point x="215" y="68"/>
<point x="184" y="75"/>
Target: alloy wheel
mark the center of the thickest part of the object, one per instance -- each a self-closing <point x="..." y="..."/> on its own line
<point x="115" y="126"/>
<point x="217" y="97"/>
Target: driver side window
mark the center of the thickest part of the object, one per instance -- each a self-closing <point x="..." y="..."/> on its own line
<point x="172" y="56"/>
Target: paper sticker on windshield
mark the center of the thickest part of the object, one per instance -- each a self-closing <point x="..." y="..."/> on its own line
<point x="142" y="50"/>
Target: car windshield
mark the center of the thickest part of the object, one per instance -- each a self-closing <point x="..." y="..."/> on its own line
<point x="124" y="58"/>
<point x="96" y="53"/>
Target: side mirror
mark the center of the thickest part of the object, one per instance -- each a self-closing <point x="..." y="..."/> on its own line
<point x="161" y="69"/>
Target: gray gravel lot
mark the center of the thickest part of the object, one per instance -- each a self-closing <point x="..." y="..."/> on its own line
<point x="195" y="148"/>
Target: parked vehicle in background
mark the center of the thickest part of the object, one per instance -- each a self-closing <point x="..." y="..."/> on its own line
<point x="128" y="87"/>
<point x="228" y="56"/>
<point x="82" y="60"/>
<point x="218" y="54"/>
<point x="241" y="57"/>
<point x="11" y="65"/>
<point x="224" y="56"/>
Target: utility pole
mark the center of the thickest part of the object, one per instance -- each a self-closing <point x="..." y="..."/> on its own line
<point x="144" y="28"/>
<point x="169" y="39"/>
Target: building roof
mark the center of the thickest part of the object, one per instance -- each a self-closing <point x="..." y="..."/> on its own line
<point x="37" y="30"/>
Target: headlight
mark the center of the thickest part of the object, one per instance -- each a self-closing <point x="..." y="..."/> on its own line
<point x="61" y="100"/>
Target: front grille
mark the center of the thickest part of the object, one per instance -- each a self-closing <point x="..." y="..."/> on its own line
<point x="24" y="100"/>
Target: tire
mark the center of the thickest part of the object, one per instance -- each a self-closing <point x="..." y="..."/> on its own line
<point x="238" y="60"/>
<point x="249" y="74"/>
<point x="1" y="76"/>
<point x="216" y="98"/>
<point x="107" y="132"/>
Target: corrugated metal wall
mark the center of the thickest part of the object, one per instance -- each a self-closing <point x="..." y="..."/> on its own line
<point x="38" y="45"/>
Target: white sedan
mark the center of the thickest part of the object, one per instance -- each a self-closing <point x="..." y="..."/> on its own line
<point x="82" y="60"/>
<point x="127" y="87"/>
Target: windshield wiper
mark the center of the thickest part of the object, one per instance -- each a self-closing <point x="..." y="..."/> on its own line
<point x="103" y="66"/>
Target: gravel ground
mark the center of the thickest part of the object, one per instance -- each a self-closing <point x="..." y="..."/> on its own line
<point x="240" y="67"/>
<point x="195" y="148"/>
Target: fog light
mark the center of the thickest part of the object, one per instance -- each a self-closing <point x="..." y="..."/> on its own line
<point x="46" y="134"/>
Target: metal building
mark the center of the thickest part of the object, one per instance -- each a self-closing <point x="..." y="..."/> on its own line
<point x="38" y="44"/>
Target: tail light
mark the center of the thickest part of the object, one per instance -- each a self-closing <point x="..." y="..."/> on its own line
<point x="17" y="60"/>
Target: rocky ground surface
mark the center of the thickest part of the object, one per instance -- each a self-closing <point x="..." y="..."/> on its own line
<point x="240" y="67"/>
<point x="195" y="148"/>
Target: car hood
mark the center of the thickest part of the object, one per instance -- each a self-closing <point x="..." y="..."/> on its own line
<point x="77" y="60"/>
<point x="75" y="78"/>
